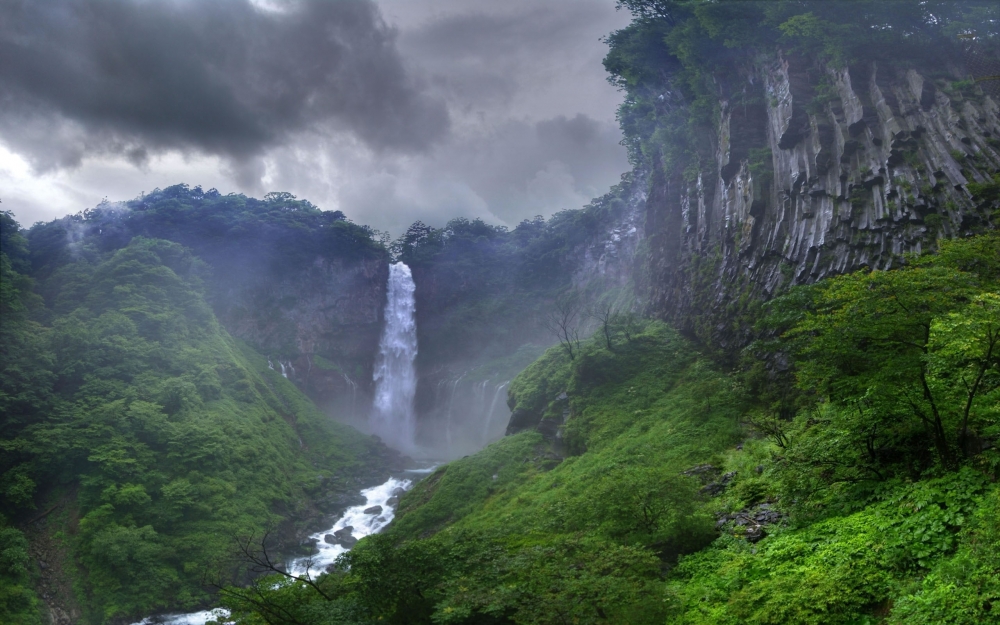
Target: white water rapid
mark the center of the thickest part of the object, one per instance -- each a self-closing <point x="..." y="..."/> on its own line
<point x="361" y="524"/>
<point x="392" y="415"/>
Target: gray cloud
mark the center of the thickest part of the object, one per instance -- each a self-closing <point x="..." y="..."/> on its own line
<point x="457" y="108"/>
<point x="524" y="169"/>
<point x="127" y="77"/>
<point x="515" y="171"/>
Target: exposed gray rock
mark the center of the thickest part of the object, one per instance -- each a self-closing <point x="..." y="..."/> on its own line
<point x="344" y="531"/>
<point x="521" y="419"/>
<point x="716" y="488"/>
<point x="750" y="523"/>
<point x="880" y="171"/>
<point x="374" y="510"/>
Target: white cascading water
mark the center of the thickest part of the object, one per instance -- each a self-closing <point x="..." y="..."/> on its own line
<point x="488" y="428"/>
<point x="392" y="415"/>
<point x="361" y="525"/>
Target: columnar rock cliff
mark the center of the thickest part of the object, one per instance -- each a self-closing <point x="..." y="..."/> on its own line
<point x="835" y="170"/>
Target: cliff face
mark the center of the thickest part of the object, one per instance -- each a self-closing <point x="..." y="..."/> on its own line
<point x="836" y="170"/>
<point x="608" y="259"/>
<point x="320" y="326"/>
<point x="482" y="293"/>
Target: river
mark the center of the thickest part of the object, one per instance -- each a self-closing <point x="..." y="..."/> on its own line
<point x="362" y="525"/>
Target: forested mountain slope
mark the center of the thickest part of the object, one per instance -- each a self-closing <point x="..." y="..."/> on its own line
<point x="140" y="439"/>
<point x="300" y="285"/>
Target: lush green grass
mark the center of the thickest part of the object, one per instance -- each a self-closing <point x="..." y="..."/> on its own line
<point x="523" y="532"/>
<point x="590" y="517"/>
<point x="858" y="567"/>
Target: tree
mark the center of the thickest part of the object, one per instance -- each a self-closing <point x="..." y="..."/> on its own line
<point x="605" y="315"/>
<point x="912" y="353"/>
<point x="562" y="321"/>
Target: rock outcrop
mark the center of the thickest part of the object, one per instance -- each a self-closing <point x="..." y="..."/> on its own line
<point x="321" y="327"/>
<point x="837" y="169"/>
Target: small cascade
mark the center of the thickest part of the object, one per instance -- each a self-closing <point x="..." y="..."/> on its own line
<point x="449" y="419"/>
<point x="488" y="422"/>
<point x="469" y="413"/>
<point x="480" y="399"/>
<point x="354" y="392"/>
<point x="270" y="365"/>
<point x="395" y="377"/>
<point x="283" y="373"/>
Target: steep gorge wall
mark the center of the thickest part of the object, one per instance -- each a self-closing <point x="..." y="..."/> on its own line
<point x="480" y="307"/>
<point x="321" y="324"/>
<point x="836" y="170"/>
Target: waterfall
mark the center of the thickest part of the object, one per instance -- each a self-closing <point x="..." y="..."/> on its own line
<point x="451" y="409"/>
<point x="395" y="378"/>
<point x="354" y="392"/>
<point x="282" y="365"/>
<point x="489" y="415"/>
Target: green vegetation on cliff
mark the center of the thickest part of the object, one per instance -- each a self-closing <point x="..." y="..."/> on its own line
<point x="141" y="434"/>
<point x="482" y="289"/>
<point x="680" y="59"/>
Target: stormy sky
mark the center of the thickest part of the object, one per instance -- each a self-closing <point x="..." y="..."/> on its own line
<point x="392" y="111"/>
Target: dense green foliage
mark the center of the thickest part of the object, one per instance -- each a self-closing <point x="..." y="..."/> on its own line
<point x="598" y="515"/>
<point x="481" y="289"/>
<point x="248" y="245"/>
<point x="515" y="533"/>
<point x="236" y="235"/>
<point x="123" y="400"/>
<point x="679" y="59"/>
<point x="19" y="605"/>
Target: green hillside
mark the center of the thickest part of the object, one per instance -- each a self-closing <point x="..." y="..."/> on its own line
<point x="142" y="437"/>
<point x="656" y="489"/>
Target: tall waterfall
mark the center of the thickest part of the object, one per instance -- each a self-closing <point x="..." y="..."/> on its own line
<point x="395" y="377"/>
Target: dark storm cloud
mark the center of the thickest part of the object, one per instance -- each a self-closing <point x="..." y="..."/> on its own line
<point x="479" y="56"/>
<point x="220" y="77"/>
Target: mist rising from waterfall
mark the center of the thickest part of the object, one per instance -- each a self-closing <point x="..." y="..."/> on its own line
<point x="392" y="416"/>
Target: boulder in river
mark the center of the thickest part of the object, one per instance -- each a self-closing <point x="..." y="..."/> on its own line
<point x="342" y="537"/>
<point x="344" y="531"/>
<point x="373" y="510"/>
